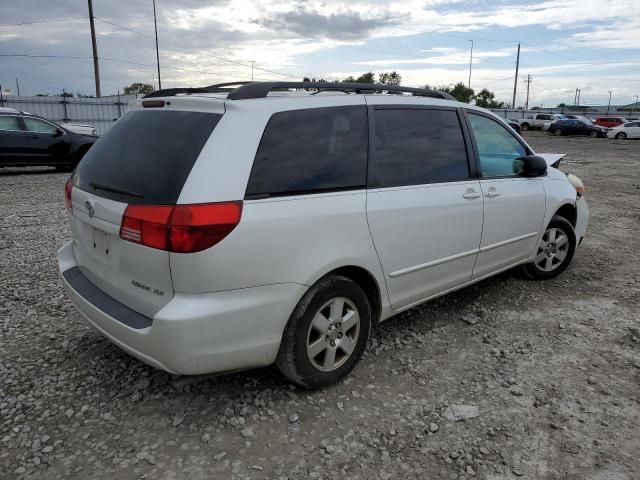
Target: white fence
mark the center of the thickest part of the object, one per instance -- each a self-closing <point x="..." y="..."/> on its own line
<point x="100" y="112"/>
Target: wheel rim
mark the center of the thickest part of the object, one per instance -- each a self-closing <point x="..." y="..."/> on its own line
<point x="525" y="127"/>
<point x="553" y="250"/>
<point x="333" y="334"/>
<point x="558" y="132"/>
<point x="621" y="136"/>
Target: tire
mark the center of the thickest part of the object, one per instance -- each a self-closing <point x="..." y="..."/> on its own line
<point x="524" y="127"/>
<point x="621" y="136"/>
<point x="557" y="132"/>
<point x="316" y="326"/>
<point x="593" y="134"/>
<point x="552" y="259"/>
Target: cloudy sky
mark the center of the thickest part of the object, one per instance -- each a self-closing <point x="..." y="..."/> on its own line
<point x="593" y="45"/>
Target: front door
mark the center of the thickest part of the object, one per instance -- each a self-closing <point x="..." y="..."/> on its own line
<point x="423" y="207"/>
<point x="48" y="144"/>
<point x="514" y="205"/>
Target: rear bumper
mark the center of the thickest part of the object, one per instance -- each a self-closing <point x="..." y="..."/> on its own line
<point x="194" y="333"/>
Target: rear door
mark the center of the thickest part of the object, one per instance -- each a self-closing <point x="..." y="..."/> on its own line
<point x="423" y="207"/>
<point x="144" y="159"/>
<point x="14" y="141"/>
<point x="632" y="130"/>
<point x="514" y="205"/>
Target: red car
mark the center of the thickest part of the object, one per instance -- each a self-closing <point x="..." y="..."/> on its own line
<point x="610" y="122"/>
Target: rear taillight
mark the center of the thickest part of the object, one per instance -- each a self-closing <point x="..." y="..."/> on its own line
<point x="67" y="194"/>
<point x="180" y="228"/>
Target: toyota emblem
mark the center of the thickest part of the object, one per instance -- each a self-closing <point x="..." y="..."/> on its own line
<point x="89" y="206"/>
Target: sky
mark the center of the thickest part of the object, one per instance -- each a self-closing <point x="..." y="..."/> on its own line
<point x="593" y="45"/>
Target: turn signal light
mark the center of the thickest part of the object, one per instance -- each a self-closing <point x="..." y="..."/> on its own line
<point x="577" y="184"/>
<point x="180" y="228"/>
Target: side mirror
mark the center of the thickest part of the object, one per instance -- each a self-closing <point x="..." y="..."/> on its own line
<point x="530" y="166"/>
<point x="58" y="132"/>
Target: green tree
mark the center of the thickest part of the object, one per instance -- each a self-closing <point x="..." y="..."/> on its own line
<point x="461" y="92"/>
<point x="368" y="77"/>
<point x="137" y="87"/>
<point x="390" y="78"/>
<point x="487" y="99"/>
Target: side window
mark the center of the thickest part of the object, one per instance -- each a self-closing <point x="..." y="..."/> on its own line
<point x="9" y="123"/>
<point x="36" y="125"/>
<point x="311" y="150"/>
<point x="415" y="146"/>
<point x="497" y="148"/>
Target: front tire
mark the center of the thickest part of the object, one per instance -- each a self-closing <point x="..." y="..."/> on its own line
<point x="593" y="134"/>
<point x="557" y="132"/>
<point x="621" y="136"/>
<point x="326" y="334"/>
<point x="555" y="251"/>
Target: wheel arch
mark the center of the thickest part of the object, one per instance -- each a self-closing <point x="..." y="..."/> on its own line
<point x="569" y="212"/>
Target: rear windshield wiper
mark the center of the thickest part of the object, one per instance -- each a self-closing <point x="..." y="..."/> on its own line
<point x="108" y="188"/>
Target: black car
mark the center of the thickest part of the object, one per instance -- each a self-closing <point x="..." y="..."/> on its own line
<point x="576" y="127"/>
<point x="29" y="140"/>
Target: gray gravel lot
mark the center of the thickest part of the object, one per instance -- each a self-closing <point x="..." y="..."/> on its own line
<point x="509" y="378"/>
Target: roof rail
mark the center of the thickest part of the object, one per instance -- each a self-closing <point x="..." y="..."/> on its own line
<point x="262" y="89"/>
<point x="171" y="92"/>
<point x="217" y="88"/>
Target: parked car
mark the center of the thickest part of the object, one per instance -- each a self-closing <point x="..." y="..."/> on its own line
<point x="515" y="125"/>
<point x="538" y="120"/>
<point x="576" y="127"/>
<point x="72" y="127"/>
<point x="610" y="122"/>
<point x="218" y="231"/>
<point x="30" y="140"/>
<point x="628" y="130"/>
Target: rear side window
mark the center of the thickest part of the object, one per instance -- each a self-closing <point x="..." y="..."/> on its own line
<point x="146" y="156"/>
<point x="9" y="123"/>
<point x="415" y="146"/>
<point x="311" y="150"/>
<point x="39" y="126"/>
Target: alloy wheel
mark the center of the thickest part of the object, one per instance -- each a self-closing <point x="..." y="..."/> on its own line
<point x="552" y="250"/>
<point x="333" y="334"/>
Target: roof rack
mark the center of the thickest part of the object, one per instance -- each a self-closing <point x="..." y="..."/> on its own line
<point x="245" y="90"/>
<point x="262" y="89"/>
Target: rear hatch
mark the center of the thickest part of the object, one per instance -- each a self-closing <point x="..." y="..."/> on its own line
<point x="144" y="159"/>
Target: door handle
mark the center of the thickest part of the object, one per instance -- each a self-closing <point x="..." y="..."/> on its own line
<point x="472" y="195"/>
<point x="492" y="193"/>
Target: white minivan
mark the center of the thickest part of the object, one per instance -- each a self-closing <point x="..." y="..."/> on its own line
<point x="218" y="229"/>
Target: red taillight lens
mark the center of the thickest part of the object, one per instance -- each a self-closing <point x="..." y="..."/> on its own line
<point x="68" y="187"/>
<point x="180" y="228"/>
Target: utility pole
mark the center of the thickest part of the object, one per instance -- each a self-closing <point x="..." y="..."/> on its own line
<point x="528" y="82"/>
<point x="609" y="104"/>
<point x="575" y="98"/>
<point x="252" y="62"/>
<point x="470" y="63"/>
<point x="578" y="104"/>
<point x="96" y="67"/>
<point x="155" y="25"/>
<point x="515" y="83"/>
<point x="17" y="86"/>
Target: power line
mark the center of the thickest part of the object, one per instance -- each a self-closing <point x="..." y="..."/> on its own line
<point x="236" y="62"/>
<point x="51" y="20"/>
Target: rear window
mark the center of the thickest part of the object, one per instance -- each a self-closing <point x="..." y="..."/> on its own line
<point x="146" y="156"/>
<point x="311" y="150"/>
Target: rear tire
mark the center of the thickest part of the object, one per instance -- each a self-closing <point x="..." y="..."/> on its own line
<point x="555" y="251"/>
<point x="621" y="136"/>
<point x="557" y="132"/>
<point x="326" y="334"/>
<point x="524" y="127"/>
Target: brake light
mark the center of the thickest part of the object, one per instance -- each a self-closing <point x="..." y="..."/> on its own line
<point x="68" y="187"/>
<point x="180" y="228"/>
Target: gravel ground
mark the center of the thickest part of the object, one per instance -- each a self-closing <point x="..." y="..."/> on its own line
<point x="509" y="378"/>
